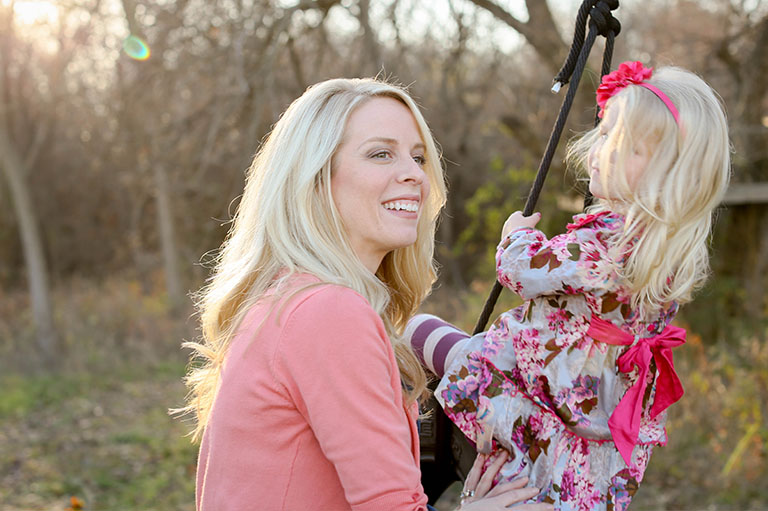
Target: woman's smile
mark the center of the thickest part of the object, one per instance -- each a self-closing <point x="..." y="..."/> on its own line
<point x="404" y="207"/>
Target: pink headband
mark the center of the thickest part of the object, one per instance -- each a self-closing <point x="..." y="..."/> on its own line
<point x="631" y="73"/>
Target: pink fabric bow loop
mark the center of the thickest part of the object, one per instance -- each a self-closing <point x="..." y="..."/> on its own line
<point x="624" y="422"/>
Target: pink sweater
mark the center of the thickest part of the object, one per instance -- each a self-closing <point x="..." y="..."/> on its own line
<point x="310" y="412"/>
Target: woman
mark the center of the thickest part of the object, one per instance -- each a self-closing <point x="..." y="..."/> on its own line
<point x="306" y="397"/>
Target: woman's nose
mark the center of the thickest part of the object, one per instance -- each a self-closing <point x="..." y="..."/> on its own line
<point x="411" y="171"/>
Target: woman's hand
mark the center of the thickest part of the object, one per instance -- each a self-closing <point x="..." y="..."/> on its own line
<point x="516" y="220"/>
<point x="501" y="496"/>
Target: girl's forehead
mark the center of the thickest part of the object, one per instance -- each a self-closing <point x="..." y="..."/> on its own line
<point x="611" y="114"/>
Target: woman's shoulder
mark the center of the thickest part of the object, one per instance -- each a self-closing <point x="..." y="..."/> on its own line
<point x="306" y="302"/>
<point x="307" y="293"/>
<point x="319" y="319"/>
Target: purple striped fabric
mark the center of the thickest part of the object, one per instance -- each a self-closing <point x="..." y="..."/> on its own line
<point x="420" y="336"/>
<point x="442" y="345"/>
<point x="442" y="348"/>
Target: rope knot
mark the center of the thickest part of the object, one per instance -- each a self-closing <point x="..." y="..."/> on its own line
<point x="602" y="18"/>
<point x="598" y="12"/>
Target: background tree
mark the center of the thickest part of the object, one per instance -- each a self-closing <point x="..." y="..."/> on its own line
<point x="25" y="126"/>
<point x="120" y="174"/>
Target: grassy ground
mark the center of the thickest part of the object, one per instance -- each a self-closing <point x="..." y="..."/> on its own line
<point x="106" y="439"/>
<point x="98" y="429"/>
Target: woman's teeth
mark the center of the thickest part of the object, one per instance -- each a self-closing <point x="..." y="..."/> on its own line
<point x="402" y="206"/>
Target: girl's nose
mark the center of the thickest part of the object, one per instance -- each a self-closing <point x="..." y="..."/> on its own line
<point x="592" y="155"/>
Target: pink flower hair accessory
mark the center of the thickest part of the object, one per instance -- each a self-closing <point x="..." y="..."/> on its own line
<point x="631" y="73"/>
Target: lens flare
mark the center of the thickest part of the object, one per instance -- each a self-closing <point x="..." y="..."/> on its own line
<point x="135" y="48"/>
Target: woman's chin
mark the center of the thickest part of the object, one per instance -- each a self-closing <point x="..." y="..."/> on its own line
<point x="404" y="241"/>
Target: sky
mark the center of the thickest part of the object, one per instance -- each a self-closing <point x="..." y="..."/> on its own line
<point x="423" y="16"/>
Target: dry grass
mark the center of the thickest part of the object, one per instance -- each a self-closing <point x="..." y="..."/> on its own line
<point x="98" y="428"/>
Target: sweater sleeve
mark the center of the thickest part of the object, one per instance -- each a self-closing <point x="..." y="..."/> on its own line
<point x="339" y="368"/>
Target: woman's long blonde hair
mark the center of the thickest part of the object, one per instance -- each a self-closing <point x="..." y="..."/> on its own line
<point x="669" y="209"/>
<point x="287" y="223"/>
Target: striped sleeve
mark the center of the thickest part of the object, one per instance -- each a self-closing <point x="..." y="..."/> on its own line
<point x="435" y="342"/>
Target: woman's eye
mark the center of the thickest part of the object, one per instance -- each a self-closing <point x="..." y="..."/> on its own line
<point x="420" y="160"/>
<point x="380" y="155"/>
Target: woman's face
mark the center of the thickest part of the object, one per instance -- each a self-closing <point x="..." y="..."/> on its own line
<point x="378" y="181"/>
<point x="633" y="167"/>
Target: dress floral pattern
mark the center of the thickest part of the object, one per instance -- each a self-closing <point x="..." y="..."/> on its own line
<point x="538" y="385"/>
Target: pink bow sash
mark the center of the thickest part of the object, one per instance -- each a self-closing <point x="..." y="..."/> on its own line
<point x="624" y="422"/>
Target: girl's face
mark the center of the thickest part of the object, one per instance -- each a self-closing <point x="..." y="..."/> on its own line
<point x="602" y="152"/>
<point x="378" y="181"/>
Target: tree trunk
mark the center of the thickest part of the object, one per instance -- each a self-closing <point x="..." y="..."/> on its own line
<point x="168" y="237"/>
<point x="34" y="258"/>
<point x="370" y="58"/>
<point x="165" y="222"/>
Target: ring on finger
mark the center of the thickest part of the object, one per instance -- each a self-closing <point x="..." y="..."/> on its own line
<point x="467" y="494"/>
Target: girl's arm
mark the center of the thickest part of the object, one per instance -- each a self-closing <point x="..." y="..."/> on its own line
<point x="570" y="263"/>
<point x="435" y="342"/>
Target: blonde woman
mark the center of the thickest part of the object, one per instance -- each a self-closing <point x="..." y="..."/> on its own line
<point x="304" y="394"/>
<point x="575" y="382"/>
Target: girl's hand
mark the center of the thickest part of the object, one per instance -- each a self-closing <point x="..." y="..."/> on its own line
<point x="501" y="496"/>
<point x="516" y="220"/>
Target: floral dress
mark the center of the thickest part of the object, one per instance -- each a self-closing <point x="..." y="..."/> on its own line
<point x="574" y="382"/>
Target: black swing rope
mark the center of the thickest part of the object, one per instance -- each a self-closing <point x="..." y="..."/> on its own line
<point x="601" y="22"/>
<point x="446" y="455"/>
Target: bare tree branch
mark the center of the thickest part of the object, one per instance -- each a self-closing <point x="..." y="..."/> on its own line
<point x="540" y="30"/>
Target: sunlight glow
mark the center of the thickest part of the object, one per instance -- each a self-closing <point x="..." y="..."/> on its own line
<point x="30" y="12"/>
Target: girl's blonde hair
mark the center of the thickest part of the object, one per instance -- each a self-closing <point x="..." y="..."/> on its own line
<point x="663" y="249"/>
<point x="287" y="223"/>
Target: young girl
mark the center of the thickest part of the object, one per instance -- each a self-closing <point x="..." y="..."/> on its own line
<point x="574" y="383"/>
